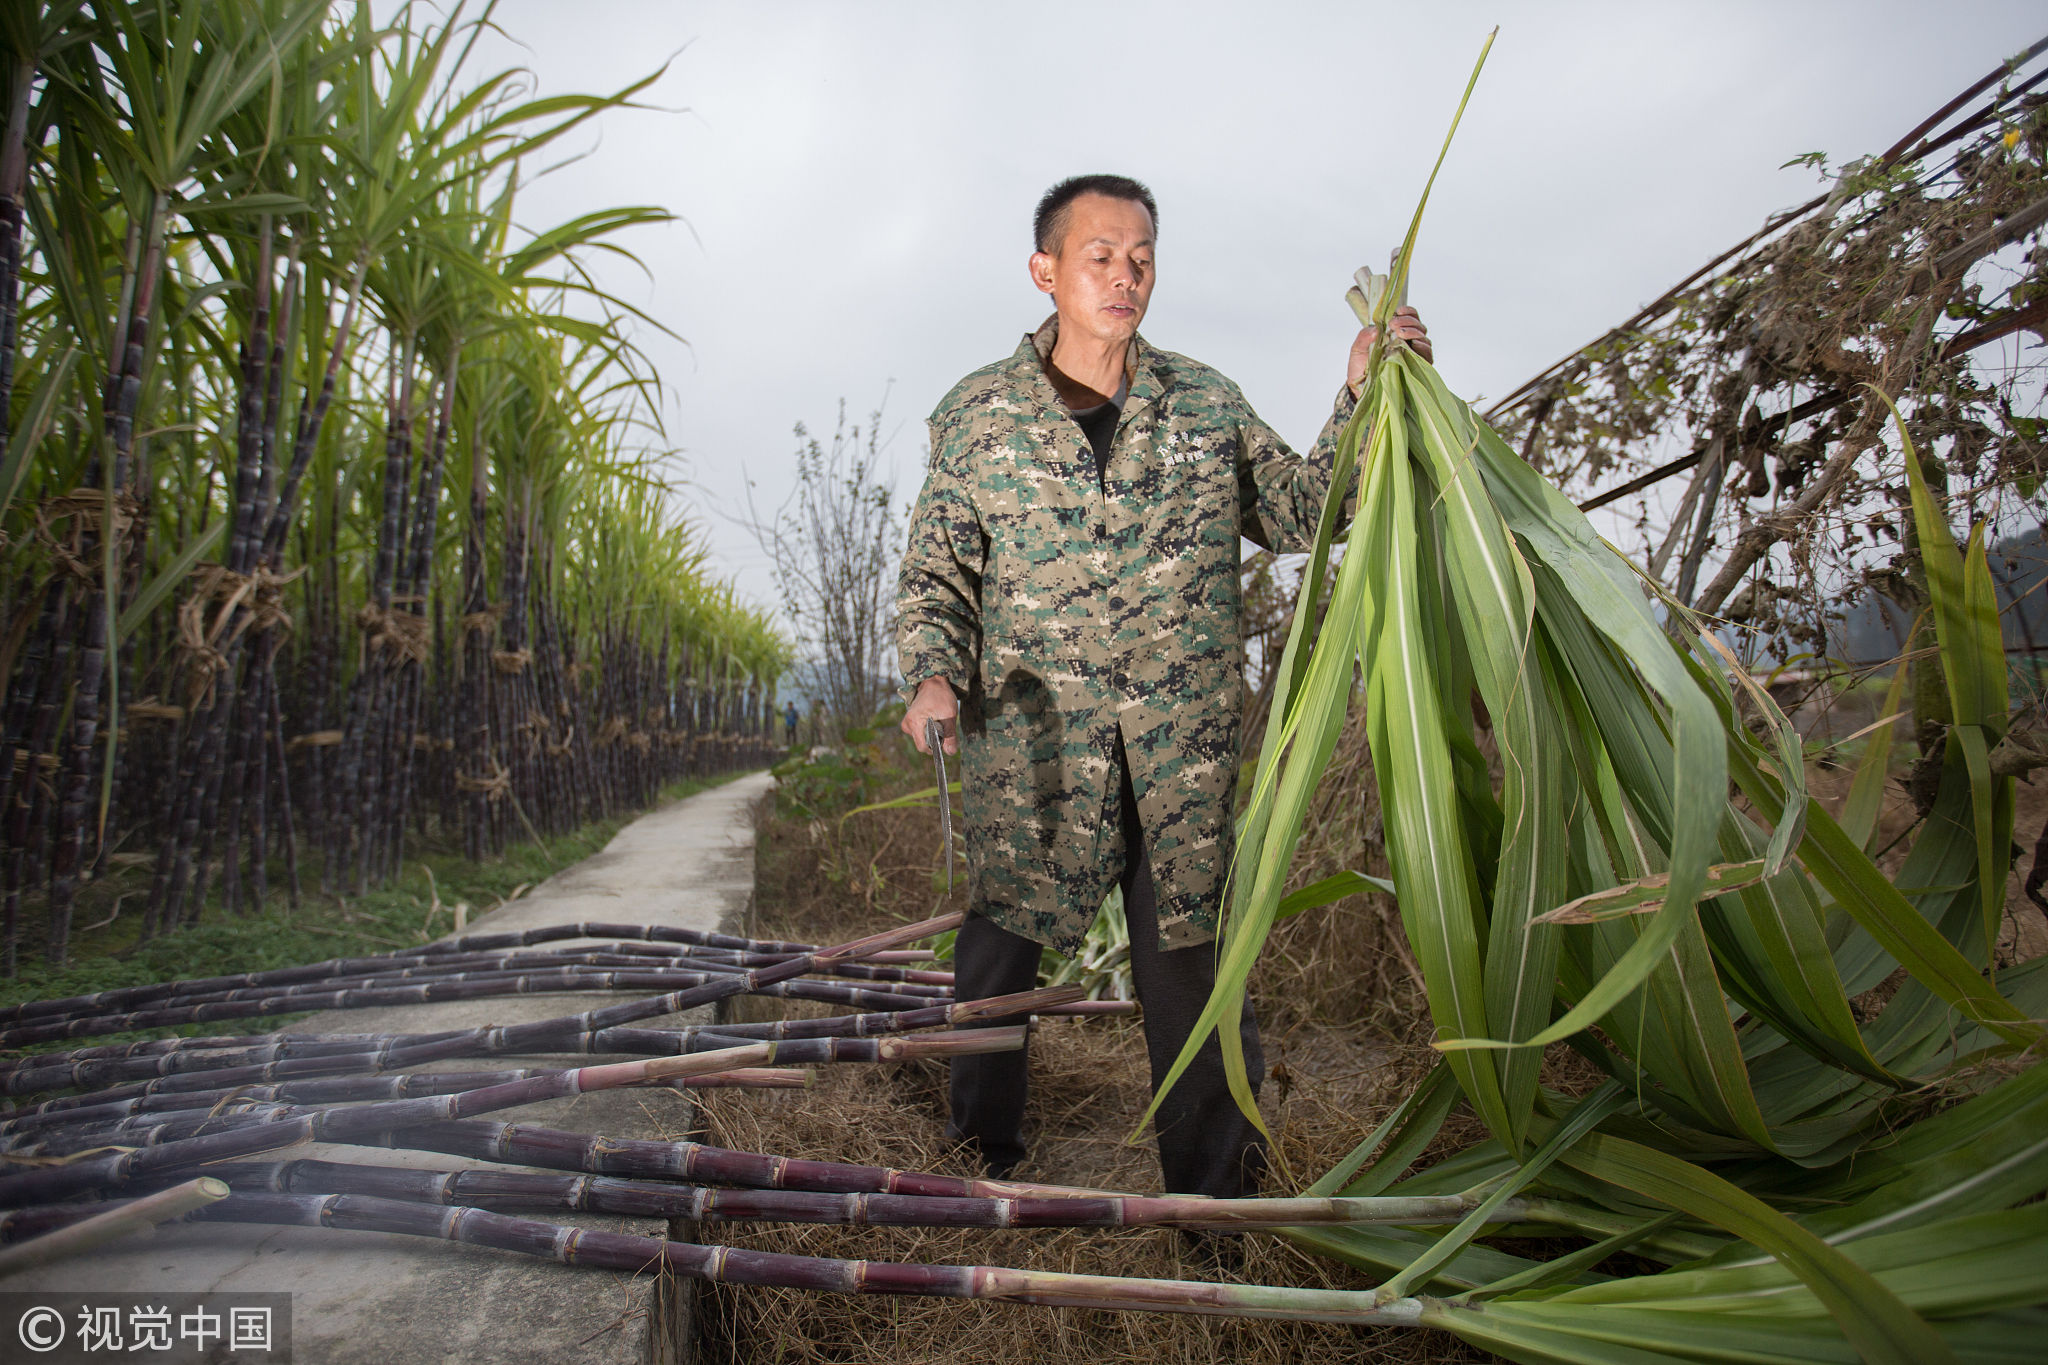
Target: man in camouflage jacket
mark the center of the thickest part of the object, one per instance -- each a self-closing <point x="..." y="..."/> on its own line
<point x="1071" y="594"/>
<point x="1066" y="610"/>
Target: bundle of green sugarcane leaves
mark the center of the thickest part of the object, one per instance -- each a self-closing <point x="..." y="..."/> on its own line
<point x="1606" y="876"/>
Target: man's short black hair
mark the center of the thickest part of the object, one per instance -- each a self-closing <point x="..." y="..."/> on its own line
<point x="1049" y="224"/>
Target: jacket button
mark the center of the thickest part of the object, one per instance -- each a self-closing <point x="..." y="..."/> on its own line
<point x="1116" y="604"/>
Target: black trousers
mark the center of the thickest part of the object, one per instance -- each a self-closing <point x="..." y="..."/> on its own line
<point x="1206" y="1145"/>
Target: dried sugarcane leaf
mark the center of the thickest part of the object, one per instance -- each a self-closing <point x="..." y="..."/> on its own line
<point x="1646" y="894"/>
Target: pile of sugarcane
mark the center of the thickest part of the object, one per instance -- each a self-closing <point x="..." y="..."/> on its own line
<point x="174" y="1114"/>
<point x="322" y="523"/>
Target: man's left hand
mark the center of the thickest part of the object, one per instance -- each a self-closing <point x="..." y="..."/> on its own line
<point x="1407" y="326"/>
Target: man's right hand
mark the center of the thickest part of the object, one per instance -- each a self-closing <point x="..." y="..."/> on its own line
<point x="934" y="701"/>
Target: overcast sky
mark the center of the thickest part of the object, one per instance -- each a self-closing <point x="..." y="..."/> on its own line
<point x="856" y="180"/>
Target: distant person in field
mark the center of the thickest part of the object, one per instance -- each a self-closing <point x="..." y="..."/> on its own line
<point x="789" y="722"/>
<point x="1069" y="611"/>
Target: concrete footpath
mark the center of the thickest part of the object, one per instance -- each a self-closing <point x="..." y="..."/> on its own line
<point x="395" y="1300"/>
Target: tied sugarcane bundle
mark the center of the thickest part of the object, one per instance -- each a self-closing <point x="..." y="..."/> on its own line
<point x="1599" y="872"/>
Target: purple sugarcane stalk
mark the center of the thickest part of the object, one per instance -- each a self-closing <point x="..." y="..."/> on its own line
<point x="549" y="933"/>
<point x="161" y="1067"/>
<point x="633" y="972"/>
<point x="1044" y="999"/>
<point x="123" y="395"/>
<point x="344" y="1089"/>
<point x="69" y="1133"/>
<point x="245" y="544"/>
<point x="354" y="1125"/>
<point x="530" y="1037"/>
<point x="291" y="1001"/>
<point x="736" y="1265"/>
<point x="507" y="1190"/>
<point x="398" y="968"/>
<point x="521" y="1144"/>
<point x="537" y="1035"/>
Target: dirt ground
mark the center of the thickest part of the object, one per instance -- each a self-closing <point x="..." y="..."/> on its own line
<point x="1328" y="1085"/>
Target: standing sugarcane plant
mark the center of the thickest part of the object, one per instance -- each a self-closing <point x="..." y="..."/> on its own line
<point x="264" y="306"/>
<point x="156" y="60"/>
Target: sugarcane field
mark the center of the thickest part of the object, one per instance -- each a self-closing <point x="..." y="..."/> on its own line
<point x="551" y="813"/>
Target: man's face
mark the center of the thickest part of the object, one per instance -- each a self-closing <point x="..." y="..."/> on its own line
<point x="1101" y="277"/>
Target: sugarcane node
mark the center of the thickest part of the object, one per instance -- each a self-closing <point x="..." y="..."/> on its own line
<point x="1023" y="1002"/>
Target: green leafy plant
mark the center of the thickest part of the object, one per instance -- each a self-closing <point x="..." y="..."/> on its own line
<point x="1603" y="888"/>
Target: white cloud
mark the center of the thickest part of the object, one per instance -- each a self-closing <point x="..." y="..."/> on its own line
<point x="858" y="179"/>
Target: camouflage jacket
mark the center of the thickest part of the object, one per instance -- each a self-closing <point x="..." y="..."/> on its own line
<point x="1061" y="609"/>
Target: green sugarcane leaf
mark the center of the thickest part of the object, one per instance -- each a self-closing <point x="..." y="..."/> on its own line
<point x="1384" y="1249"/>
<point x="1866" y="789"/>
<point x="1418" y="1117"/>
<point x="1330" y="889"/>
<point x="1772" y="949"/>
<point x="1964" y="605"/>
<point x="1991" y="798"/>
<point x="166" y="580"/>
<point x="1428" y="849"/>
<point x="35" y="422"/>
<point x="1301" y="736"/>
<point x="1987" y="1153"/>
<point x="1653" y="972"/>
<point x="1846" y="873"/>
<point x="1584" y="1115"/>
<point x="1871" y="1316"/>
<point x="1984" y="821"/>
<point x="1568" y="1334"/>
<point x="1939" y="867"/>
<point x="1595" y="587"/>
<point x="1495" y="598"/>
<point x="247" y="205"/>
<point x="1307" y="743"/>
<point x="1571" y="1264"/>
<point x="1978" y="1263"/>
<point x="1397" y="286"/>
<point x="1677" y="1023"/>
<point x="1769" y="939"/>
<point x="1791" y="752"/>
<point x="1972" y="650"/>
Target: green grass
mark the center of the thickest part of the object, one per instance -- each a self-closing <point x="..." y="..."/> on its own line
<point x="417" y="906"/>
